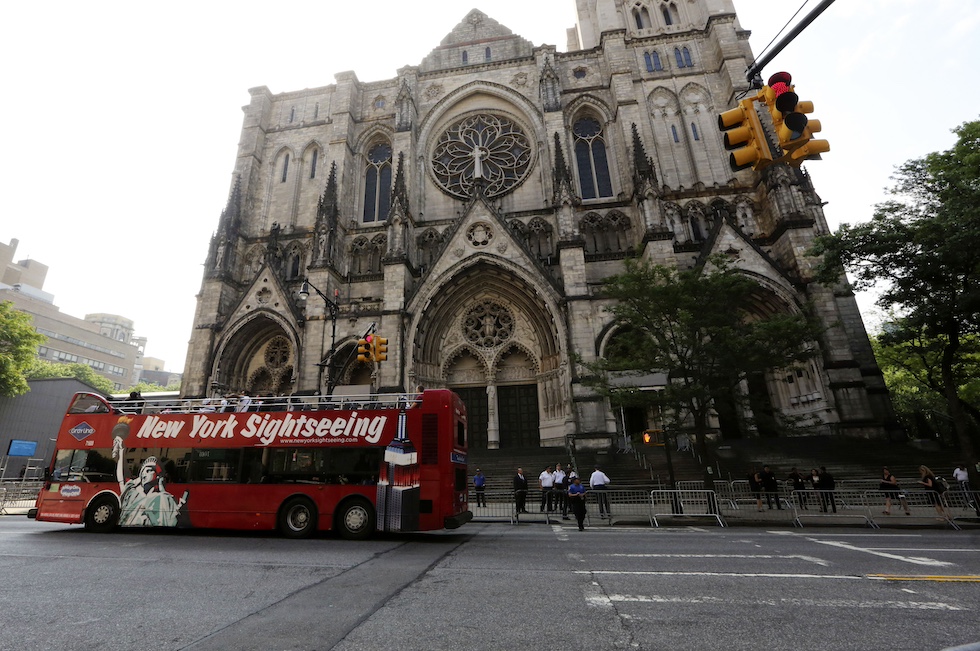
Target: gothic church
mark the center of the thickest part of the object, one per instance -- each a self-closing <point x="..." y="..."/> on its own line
<point x="469" y="209"/>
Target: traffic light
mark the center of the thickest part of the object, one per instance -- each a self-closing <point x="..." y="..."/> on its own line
<point x="792" y="127"/>
<point x="365" y="349"/>
<point x="744" y="135"/>
<point x="380" y="349"/>
<point x="647" y="437"/>
<point x="653" y="437"/>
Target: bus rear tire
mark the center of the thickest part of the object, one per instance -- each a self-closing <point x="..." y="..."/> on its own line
<point x="297" y="518"/>
<point x="102" y="515"/>
<point x="355" y="519"/>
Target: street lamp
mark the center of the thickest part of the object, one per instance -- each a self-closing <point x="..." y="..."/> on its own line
<point x="334" y="309"/>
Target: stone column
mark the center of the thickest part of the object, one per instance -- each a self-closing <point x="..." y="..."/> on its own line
<point x="493" y="424"/>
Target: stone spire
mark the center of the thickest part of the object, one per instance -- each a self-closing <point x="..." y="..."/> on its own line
<point x="327" y="213"/>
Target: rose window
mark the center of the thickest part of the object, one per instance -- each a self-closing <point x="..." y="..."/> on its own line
<point x="488" y="325"/>
<point x="277" y="352"/>
<point x="486" y="149"/>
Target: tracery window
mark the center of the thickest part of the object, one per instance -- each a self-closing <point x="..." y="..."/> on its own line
<point x="683" y="57"/>
<point x="488" y="324"/>
<point x="377" y="183"/>
<point x="652" y="60"/>
<point x="484" y="148"/>
<point x="590" y="156"/>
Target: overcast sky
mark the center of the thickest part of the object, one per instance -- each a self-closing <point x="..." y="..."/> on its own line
<point x="122" y="119"/>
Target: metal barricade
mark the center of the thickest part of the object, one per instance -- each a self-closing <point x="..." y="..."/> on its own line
<point x="684" y="504"/>
<point x="962" y="504"/>
<point x="836" y="504"/>
<point x="18" y="497"/>
<point x="621" y="505"/>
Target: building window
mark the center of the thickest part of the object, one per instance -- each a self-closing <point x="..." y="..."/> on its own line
<point x="683" y="57"/>
<point x="694" y="131"/>
<point x="673" y="132"/>
<point x="590" y="155"/>
<point x="377" y="183"/>
<point x="379" y="102"/>
<point x="292" y="114"/>
<point x="42" y="351"/>
<point x="313" y="162"/>
<point x="642" y="17"/>
<point x="316" y="110"/>
<point x="466" y="57"/>
<point x="580" y="73"/>
<point x="648" y="60"/>
<point x="667" y="19"/>
<point x="486" y="54"/>
<point x="285" y="169"/>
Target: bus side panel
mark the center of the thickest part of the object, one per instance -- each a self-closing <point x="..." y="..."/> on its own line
<point x="66" y="501"/>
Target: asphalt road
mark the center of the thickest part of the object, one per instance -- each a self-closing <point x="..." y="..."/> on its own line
<point x="490" y="586"/>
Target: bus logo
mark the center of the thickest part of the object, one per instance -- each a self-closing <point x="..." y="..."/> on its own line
<point x="82" y="431"/>
<point x="71" y="491"/>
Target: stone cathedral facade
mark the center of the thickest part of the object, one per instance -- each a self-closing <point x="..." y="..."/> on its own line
<point x="469" y="208"/>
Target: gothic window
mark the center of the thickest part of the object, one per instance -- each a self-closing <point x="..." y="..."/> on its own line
<point x="316" y="110"/>
<point x="657" y="65"/>
<point x="277" y="353"/>
<point x="580" y="73"/>
<point x="292" y="114"/>
<point x="590" y="156"/>
<point x="486" y="54"/>
<point x="670" y="14"/>
<point x="313" y="161"/>
<point x="648" y="61"/>
<point x="694" y="131"/>
<point x="539" y="238"/>
<point x="360" y="256"/>
<point x="591" y="228"/>
<point x="641" y="16"/>
<point x="667" y="18"/>
<point x="377" y="183"/>
<point x="379" y="244"/>
<point x="294" y="262"/>
<point x="687" y="57"/>
<point x="379" y="102"/>
<point x="429" y="243"/>
<point x="484" y="148"/>
<point x="285" y="169"/>
<point x="466" y="57"/>
<point x="488" y="325"/>
<point x="673" y="133"/>
<point x="609" y="234"/>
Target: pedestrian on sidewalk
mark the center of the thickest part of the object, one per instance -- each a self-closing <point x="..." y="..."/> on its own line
<point x="889" y="486"/>
<point x="798" y="486"/>
<point x="826" y="486"/>
<point x="479" y="484"/>
<point x="962" y="477"/>
<point x="561" y="491"/>
<point x="576" y="497"/>
<point x="936" y="489"/>
<point x="755" y="487"/>
<point x="520" y="491"/>
<point x="771" y="486"/>
<point x="598" y="482"/>
<point x="546" y="481"/>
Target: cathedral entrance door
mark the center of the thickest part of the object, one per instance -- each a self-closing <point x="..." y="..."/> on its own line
<point x="475" y="399"/>
<point x="517" y="412"/>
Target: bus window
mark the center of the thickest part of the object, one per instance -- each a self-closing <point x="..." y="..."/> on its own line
<point x="213" y="465"/>
<point x="84" y="465"/>
<point x="85" y="403"/>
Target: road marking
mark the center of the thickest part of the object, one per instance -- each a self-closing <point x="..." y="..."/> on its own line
<point x="919" y="577"/>
<point x="907" y="559"/>
<point x="749" y="575"/>
<point x="809" y="559"/>
<point x="607" y="600"/>
<point x="923" y="549"/>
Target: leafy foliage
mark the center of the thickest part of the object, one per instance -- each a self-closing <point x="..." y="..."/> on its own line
<point x="150" y="387"/>
<point x="922" y="247"/>
<point x="708" y="328"/>
<point x="40" y="369"/>
<point x="18" y="348"/>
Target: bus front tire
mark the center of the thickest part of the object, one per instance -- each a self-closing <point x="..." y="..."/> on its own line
<point x="102" y="515"/>
<point x="355" y="519"/>
<point x="297" y="519"/>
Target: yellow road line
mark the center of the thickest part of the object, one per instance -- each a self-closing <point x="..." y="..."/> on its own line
<point x="921" y="577"/>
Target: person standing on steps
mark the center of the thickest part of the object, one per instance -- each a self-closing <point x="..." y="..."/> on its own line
<point x="561" y="494"/>
<point x="546" y="481"/>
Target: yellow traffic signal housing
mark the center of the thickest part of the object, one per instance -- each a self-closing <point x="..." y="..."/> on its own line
<point x="789" y="118"/>
<point x="365" y="349"/>
<point x="380" y="349"/>
<point x="744" y="135"/>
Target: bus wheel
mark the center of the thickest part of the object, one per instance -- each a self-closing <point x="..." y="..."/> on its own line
<point x="102" y="515"/>
<point x="355" y="519"/>
<point x="297" y="518"/>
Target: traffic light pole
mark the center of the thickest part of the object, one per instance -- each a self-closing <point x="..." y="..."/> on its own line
<point x="754" y="74"/>
<point x="334" y="310"/>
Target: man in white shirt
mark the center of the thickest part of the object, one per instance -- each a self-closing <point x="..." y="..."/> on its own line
<point x="598" y="482"/>
<point x="546" y="480"/>
<point x="560" y="488"/>
<point x="962" y="477"/>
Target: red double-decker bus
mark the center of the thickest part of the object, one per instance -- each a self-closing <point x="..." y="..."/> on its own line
<point x="299" y="465"/>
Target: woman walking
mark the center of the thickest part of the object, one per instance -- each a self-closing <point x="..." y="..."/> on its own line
<point x="889" y="486"/>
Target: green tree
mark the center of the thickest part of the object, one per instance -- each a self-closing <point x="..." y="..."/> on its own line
<point x="921" y="249"/>
<point x="706" y="328"/>
<point x="150" y="387"/>
<point x="18" y="347"/>
<point x="40" y="369"/>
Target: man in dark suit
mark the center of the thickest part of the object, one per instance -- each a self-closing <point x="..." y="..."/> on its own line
<point x="520" y="490"/>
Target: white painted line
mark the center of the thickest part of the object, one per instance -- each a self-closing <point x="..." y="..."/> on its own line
<point x="906" y="559"/>
<point x="924" y="549"/>
<point x="807" y="603"/>
<point x="809" y="559"/>
<point x="747" y="575"/>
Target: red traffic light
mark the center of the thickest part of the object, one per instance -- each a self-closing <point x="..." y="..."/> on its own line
<point x="786" y="99"/>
